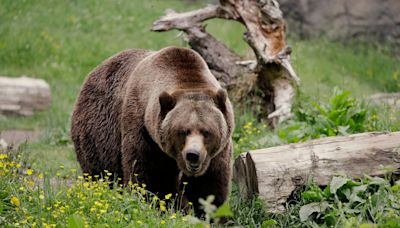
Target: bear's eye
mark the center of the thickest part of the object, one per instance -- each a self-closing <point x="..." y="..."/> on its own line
<point x="205" y="133"/>
<point x="183" y="133"/>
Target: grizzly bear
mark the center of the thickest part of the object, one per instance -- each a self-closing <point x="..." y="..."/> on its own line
<point x="159" y="118"/>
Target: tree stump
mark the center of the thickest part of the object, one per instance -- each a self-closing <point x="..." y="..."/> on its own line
<point x="265" y="34"/>
<point x="22" y="96"/>
<point x="274" y="173"/>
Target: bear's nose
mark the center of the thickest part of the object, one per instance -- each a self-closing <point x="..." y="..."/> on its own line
<point x="193" y="156"/>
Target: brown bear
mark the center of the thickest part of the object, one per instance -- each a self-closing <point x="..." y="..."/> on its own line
<point x="158" y="116"/>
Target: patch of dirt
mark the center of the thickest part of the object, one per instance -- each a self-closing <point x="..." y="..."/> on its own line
<point x="15" y="137"/>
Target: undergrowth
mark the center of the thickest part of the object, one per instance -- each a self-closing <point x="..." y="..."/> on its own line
<point x="341" y="115"/>
<point x="29" y="198"/>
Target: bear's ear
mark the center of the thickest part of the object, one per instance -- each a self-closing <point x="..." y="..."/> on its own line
<point x="167" y="102"/>
<point x="220" y="99"/>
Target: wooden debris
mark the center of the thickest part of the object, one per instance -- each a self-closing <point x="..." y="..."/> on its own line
<point x="274" y="173"/>
<point x="265" y="35"/>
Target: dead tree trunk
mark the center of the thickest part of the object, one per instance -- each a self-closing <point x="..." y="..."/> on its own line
<point x="265" y="35"/>
<point x="274" y="173"/>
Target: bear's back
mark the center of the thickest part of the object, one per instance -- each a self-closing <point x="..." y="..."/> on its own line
<point x="177" y="68"/>
<point x="95" y="127"/>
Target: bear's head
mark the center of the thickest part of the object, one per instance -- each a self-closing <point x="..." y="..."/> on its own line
<point x="194" y="128"/>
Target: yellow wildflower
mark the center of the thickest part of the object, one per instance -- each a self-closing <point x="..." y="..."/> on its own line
<point x="31" y="184"/>
<point x="15" y="201"/>
<point x="168" y="196"/>
<point x="162" y="222"/>
<point x="163" y="208"/>
<point x="29" y="171"/>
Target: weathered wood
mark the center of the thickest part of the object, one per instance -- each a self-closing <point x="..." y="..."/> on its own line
<point x="220" y="59"/>
<point x="23" y="96"/>
<point x="265" y="35"/>
<point x="274" y="173"/>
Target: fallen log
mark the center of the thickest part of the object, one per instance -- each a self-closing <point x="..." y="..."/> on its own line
<point x="265" y="34"/>
<point x="23" y="96"/>
<point x="274" y="173"/>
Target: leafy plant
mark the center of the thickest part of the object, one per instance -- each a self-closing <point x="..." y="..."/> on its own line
<point x="352" y="203"/>
<point x="342" y="115"/>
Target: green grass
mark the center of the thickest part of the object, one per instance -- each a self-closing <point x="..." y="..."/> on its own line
<point x="61" y="41"/>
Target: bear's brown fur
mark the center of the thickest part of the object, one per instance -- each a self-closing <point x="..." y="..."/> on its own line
<point x="160" y="115"/>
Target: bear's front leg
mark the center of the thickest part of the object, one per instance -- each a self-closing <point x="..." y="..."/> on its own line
<point x="144" y="163"/>
<point x="216" y="181"/>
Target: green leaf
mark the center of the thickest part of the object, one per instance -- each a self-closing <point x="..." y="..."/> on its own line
<point x="330" y="219"/>
<point x="75" y="221"/>
<point x="309" y="209"/>
<point x="395" y="188"/>
<point x="223" y="211"/>
<point x="356" y="192"/>
<point x="336" y="183"/>
<point x="327" y="192"/>
<point x="312" y="195"/>
<point x="269" y="222"/>
<point x="377" y="181"/>
<point x="343" y="130"/>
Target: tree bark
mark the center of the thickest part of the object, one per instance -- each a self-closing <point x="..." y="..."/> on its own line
<point x="23" y="96"/>
<point x="274" y="173"/>
<point x="265" y="35"/>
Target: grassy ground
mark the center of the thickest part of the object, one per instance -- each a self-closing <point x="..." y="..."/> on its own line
<point x="61" y="41"/>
